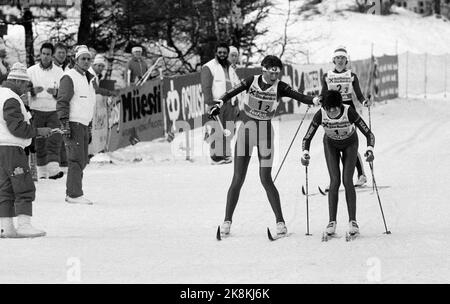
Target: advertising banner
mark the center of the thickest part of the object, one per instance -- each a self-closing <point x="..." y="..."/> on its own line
<point x="387" y="80"/>
<point x="183" y="102"/>
<point x="99" y="125"/>
<point x="136" y="114"/>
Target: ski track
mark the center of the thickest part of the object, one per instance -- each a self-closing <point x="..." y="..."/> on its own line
<point x="155" y="221"/>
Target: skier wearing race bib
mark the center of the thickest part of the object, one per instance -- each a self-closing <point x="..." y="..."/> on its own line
<point x="346" y="82"/>
<point x="340" y="142"/>
<point x="262" y="95"/>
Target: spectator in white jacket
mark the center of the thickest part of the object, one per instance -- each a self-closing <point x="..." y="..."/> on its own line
<point x="45" y="77"/>
<point x="218" y="77"/>
<point x="75" y="107"/>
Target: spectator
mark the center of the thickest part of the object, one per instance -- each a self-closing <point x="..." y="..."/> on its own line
<point x="217" y="77"/>
<point x="61" y="59"/>
<point x="45" y="77"/>
<point x="60" y="56"/>
<point x="96" y="69"/>
<point x="75" y="107"/>
<point x="17" y="190"/>
<point x="4" y="66"/>
<point x="136" y="67"/>
<point x="233" y="57"/>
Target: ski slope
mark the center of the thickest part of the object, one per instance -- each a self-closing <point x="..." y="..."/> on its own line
<point x="155" y="221"/>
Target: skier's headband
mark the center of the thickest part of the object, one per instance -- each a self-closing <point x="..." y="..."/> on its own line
<point x="274" y="69"/>
<point x="339" y="53"/>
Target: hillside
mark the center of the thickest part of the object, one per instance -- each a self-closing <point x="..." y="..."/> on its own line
<point x="314" y="38"/>
<point x="320" y="34"/>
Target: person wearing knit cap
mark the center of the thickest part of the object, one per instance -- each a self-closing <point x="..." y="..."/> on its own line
<point x="75" y="108"/>
<point x="45" y="77"/>
<point x="4" y="66"/>
<point x="233" y="57"/>
<point x="96" y="69"/>
<point x="136" y="67"/>
<point x="17" y="190"/>
<point x="346" y="82"/>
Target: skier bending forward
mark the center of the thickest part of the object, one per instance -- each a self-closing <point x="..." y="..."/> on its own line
<point x="338" y="121"/>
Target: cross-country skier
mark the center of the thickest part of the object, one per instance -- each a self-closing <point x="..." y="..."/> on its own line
<point x="345" y="81"/>
<point x="262" y="98"/>
<point x="340" y="141"/>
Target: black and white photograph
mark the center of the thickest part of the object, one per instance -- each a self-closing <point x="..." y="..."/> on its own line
<point x="225" y="148"/>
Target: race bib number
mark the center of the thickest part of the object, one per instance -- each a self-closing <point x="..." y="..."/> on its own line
<point x="261" y="105"/>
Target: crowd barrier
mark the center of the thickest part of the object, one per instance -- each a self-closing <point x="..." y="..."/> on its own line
<point x="421" y="75"/>
<point x="162" y="107"/>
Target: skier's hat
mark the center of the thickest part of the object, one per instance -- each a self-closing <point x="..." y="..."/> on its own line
<point x="340" y="51"/>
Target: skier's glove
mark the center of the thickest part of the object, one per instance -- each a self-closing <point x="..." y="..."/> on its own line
<point x="305" y="158"/>
<point x="317" y="100"/>
<point x="367" y="103"/>
<point x="215" y="109"/>
<point x="65" y="128"/>
<point x="369" y="155"/>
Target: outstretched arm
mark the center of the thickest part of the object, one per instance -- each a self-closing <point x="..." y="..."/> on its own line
<point x="244" y="85"/>
<point x="285" y="90"/>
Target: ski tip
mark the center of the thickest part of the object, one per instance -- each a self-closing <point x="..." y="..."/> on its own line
<point x="218" y="236"/>
<point x="269" y="235"/>
<point x="303" y="190"/>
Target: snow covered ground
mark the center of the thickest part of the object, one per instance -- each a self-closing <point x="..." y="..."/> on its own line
<point x="155" y="221"/>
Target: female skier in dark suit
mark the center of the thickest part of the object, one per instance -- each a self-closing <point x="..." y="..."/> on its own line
<point x="340" y="141"/>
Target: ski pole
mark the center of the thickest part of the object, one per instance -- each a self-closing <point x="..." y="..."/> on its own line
<point x="378" y="196"/>
<point x="370" y="127"/>
<point x="307" y="204"/>
<point x="225" y="132"/>
<point x="53" y="131"/>
<point x="292" y="142"/>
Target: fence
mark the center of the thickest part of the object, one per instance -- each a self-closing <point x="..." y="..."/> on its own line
<point x="422" y="75"/>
